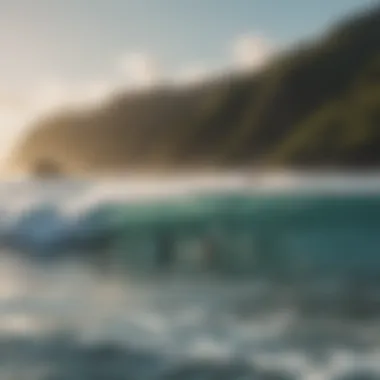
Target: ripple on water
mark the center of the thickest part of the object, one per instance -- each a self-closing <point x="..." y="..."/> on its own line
<point x="71" y="326"/>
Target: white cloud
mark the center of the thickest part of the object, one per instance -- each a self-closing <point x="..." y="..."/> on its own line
<point x="140" y="70"/>
<point x="95" y="92"/>
<point x="251" y="52"/>
<point x="50" y="93"/>
<point x="56" y="93"/>
<point x="192" y="75"/>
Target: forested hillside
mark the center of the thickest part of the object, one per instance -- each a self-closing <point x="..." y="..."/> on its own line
<point x="315" y="106"/>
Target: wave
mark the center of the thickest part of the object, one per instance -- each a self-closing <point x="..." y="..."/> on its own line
<point x="69" y="323"/>
<point x="278" y="227"/>
<point x="290" y="291"/>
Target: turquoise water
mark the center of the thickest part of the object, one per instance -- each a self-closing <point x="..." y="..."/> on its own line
<point x="213" y="283"/>
<point x="281" y="235"/>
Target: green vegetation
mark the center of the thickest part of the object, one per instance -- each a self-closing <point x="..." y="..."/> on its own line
<point x="316" y="106"/>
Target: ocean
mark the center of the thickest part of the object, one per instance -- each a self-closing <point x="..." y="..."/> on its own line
<point x="231" y="276"/>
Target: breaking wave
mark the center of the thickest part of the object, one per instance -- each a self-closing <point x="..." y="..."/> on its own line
<point x="290" y="292"/>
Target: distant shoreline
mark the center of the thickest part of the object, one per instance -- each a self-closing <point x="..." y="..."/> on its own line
<point x="193" y="181"/>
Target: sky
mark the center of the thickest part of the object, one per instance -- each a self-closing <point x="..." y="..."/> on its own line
<point x="62" y="51"/>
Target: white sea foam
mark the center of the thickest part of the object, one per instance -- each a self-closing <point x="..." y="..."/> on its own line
<point x="182" y="318"/>
<point x="72" y="195"/>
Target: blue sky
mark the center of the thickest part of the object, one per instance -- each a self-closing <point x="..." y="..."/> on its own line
<point x="55" y="52"/>
<point x="81" y="39"/>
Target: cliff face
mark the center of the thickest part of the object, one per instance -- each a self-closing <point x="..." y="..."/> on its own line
<point x="315" y="106"/>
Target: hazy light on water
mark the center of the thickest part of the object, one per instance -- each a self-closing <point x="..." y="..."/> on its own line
<point x="182" y="319"/>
